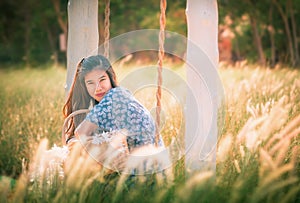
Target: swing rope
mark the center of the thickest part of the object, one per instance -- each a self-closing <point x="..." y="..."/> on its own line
<point x="161" y="53"/>
<point x="106" y="28"/>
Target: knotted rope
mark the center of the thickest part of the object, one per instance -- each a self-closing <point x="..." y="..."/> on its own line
<point x="161" y="53"/>
<point x="106" y="28"/>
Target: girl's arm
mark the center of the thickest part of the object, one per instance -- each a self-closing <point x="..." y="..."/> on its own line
<point x="112" y="153"/>
<point x="83" y="133"/>
<point x="85" y="130"/>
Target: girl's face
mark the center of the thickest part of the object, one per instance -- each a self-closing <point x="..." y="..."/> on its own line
<point x="97" y="83"/>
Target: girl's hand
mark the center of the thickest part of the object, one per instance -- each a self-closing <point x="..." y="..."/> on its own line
<point x="71" y="143"/>
<point x="119" y="142"/>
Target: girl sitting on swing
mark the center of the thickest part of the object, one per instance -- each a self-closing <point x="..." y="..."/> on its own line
<point x="114" y="109"/>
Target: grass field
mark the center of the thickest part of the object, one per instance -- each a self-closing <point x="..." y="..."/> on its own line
<point x="258" y="158"/>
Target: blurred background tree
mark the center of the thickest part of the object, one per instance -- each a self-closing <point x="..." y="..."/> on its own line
<point x="264" y="31"/>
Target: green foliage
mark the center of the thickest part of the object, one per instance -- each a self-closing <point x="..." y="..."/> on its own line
<point x="268" y="20"/>
<point x="144" y="14"/>
<point x="27" y="26"/>
<point x="29" y="30"/>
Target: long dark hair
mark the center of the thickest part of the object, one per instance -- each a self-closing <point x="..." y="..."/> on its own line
<point x="79" y="97"/>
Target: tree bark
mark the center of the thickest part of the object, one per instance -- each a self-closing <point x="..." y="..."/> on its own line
<point x="82" y="34"/>
<point x="202" y="99"/>
<point x="52" y="43"/>
<point x="294" y="31"/>
<point x="253" y="14"/>
<point x="272" y="38"/>
<point x="257" y="41"/>
<point x="27" y="17"/>
<point x="61" y="22"/>
<point x="287" y="30"/>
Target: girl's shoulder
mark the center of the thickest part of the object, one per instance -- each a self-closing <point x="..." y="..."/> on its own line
<point x="116" y="94"/>
<point x="119" y="91"/>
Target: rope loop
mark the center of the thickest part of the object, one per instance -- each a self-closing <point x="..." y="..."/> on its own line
<point x="161" y="53"/>
<point x="106" y="28"/>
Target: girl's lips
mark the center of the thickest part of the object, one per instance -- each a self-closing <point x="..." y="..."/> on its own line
<point x="100" y="94"/>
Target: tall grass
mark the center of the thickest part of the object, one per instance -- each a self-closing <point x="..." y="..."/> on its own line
<point x="258" y="157"/>
<point x="30" y="109"/>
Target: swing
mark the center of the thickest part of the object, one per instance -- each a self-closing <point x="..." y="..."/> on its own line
<point x="160" y="156"/>
<point x="163" y="5"/>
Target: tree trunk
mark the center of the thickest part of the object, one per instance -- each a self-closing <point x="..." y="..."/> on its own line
<point x="287" y="30"/>
<point x="61" y="22"/>
<point x="294" y="31"/>
<point x="272" y="38"/>
<point x="82" y="34"/>
<point x="201" y="103"/>
<point x="27" y="17"/>
<point x="52" y="43"/>
<point x="236" y="51"/>
<point x="257" y="41"/>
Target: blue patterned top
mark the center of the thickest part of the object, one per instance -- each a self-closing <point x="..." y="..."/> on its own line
<point x="119" y="110"/>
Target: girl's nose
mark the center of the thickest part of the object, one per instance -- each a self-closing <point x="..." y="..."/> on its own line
<point x="98" y="87"/>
